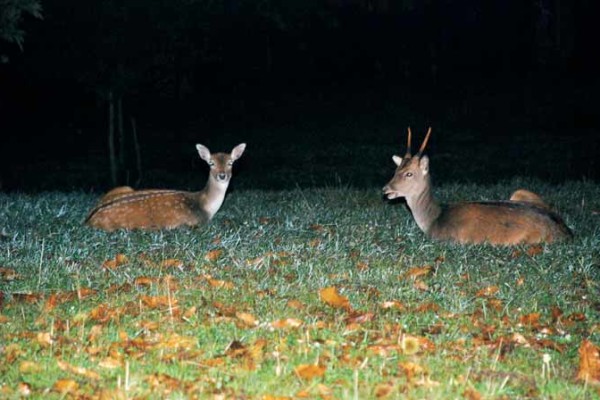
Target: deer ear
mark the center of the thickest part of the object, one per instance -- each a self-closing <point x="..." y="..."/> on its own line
<point x="424" y="164"/>
<point x="204" y="152"/>
<point x="238" y="151"/>
<point x="397" y="160"/>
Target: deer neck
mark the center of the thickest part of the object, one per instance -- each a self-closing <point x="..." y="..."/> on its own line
<point x="212" y="196"/>
<point x="424" y="207"/>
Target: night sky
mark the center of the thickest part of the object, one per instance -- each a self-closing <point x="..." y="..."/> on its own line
<point x="320" y="90"/>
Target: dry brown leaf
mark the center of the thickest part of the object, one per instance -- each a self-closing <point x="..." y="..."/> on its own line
<point x="331" y="297"/>
<point x="44" y="339"/>
<point x="589" y="363"/>
<point x="532" y="320"/>
<point x="472" y="394"/>
<point x="383" y="390"/>
<point x="415" y="272"/>
<point x="362" y="266"/>
<point x="420" y="285"/>
<point x="487" y="291"/>
<point x="384" y="350"/>
<point x="145" y="280"/>
<point x="535" y="250"/>
<point x="65" y="386"/>
<point x="393" y="304"/>
<point x="29" y="367"/>
<point x="427" y="307"/>
<point x="355" y="317"/>
<point x="314" y="242"/>
<point x="213" y="255"/>
<point x="247" y="319"/>
<point x="286" y="323"/>
<point x="120" y="259"/>
<point x="295" y="304"/>
<point x="24" y="389"/>
<point x="158" y="301"/>
<point x="219" y="284"/>
<point x="411" y="369"/>
<point x="172" y="263"/>
<point x="309" y="371"/>
<point x="110" y="363"/>
<point x="8" y="274"/>
<point x="63" y="365"/>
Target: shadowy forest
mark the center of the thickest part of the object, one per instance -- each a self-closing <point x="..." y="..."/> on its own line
<point x="112" y="92"/>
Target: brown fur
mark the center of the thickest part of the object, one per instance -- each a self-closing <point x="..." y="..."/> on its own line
<point x="126" y="208"/>
<point x="526" y="218"/>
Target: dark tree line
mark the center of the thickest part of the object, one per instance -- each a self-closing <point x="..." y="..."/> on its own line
<point x="130" y="56"/>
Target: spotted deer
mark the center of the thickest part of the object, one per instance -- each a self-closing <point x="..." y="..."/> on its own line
<point x="150" y="209"/>
<point x="525" y="218"/>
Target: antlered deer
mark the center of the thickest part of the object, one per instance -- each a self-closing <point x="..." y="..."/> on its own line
<point x="124" y="207"/>
<point x="525" y="218"/>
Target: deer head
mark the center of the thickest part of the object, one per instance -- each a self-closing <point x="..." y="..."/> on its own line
<point x="220" y="163"/>
<point x="412" y="172"/>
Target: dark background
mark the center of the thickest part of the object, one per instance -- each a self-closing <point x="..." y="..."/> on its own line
<point x="322" y="91"/>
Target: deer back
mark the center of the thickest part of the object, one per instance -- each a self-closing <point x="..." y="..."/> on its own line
<point x="146" y="209"/>
<point x="499" y="223"/>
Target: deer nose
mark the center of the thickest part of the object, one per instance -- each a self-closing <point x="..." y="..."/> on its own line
<point x="222" y="176"/>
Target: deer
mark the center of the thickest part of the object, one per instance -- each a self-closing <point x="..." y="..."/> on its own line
<point x="154" y="209"/>
<point x="524" y="219"/>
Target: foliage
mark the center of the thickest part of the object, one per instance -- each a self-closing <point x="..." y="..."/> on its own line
<point x="11" y="18"/>
<point x="327" y="293"/>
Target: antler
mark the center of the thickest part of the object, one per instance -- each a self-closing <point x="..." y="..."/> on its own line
<point x="424" y="142"/>
<point x="407" y="155"/>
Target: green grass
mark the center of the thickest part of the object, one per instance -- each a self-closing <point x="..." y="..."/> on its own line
<point x="279" y="247"/>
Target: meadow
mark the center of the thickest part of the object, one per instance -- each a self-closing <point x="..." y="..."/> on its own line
<point x="328" y="292"/>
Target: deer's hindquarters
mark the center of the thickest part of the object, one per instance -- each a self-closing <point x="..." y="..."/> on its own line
<point x="146" y="210"/>
<point x="499" y="223"/>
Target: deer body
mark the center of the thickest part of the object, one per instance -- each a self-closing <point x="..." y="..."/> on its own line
<point x="126" y="208"/>
<point x="523" y="219"/>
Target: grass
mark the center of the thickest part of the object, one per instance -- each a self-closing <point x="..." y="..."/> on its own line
<point x="220" y="319"/>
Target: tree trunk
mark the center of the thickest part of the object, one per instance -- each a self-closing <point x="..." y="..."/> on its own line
<point x="111" y="139"/>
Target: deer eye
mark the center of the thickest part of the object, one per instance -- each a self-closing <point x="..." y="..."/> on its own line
<point x="408" y="174"/>
<point x="230" y="163"/>
<point x="211" y="163"/>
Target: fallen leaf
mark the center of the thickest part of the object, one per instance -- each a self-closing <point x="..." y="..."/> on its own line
<point x="415" y="272"/>
<point x="295" y="304"/>
<point x="29" y="367"/>
<point x="120" y="259"/>
<point x="44" y="339"/>
<point x="8" y="274"/>
<point x="535" y="250"/>
<point x="487" y="291"/>
<point x="383" y="390"/>
<point x="145" y="280"/>
<point x="87" y="373"/>
<point x="286" y="323"/>
<point x="420" y="285"/>
<point x="65" y="386"/>
<point x="219" y="284"/>
<point x="247" y="319"/>
<point x="309" y="371"/>
<point x="172" y="263"/>
<point x="213" y="255"/>
<point x="331" y="297"/>
<point x="110" y="363"/>
<point x="589" y="363"/>
<point x="532" y="320"/>
<point x="393" y="304"/>
<point x="472" y="394"/>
